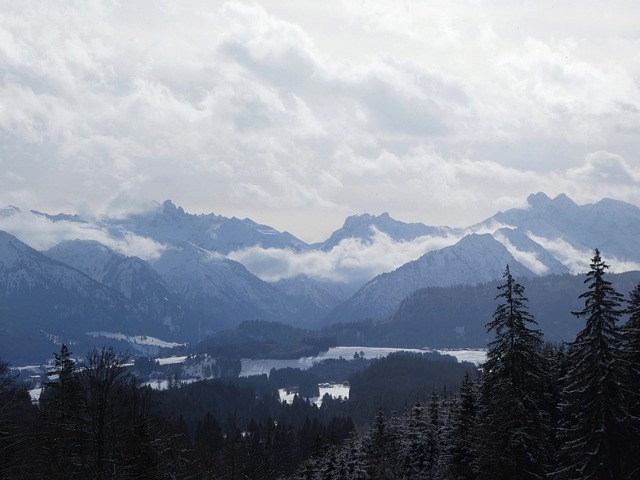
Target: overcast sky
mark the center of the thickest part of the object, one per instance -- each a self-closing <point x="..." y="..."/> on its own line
<point x="299" y="113"/>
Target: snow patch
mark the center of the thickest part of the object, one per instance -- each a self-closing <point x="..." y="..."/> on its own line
<point x="136" y="339"/>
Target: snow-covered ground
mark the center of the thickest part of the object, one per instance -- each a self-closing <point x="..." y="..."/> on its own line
<point x="476" y="356"/>
<point x="137" y="339"/>
<point x="264" y="366"/>
<point x="171" y="360"/>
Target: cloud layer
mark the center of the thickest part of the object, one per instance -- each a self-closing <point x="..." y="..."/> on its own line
<point x="298" y="115"/>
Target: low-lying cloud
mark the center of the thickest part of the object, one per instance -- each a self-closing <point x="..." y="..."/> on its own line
<point x="351" y="261"/>
<point x="40" y="233"/>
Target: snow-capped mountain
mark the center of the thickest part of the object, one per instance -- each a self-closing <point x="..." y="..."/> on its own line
<point x="42" y="299"/>
<point x="474" y="259"/>
<point x="548" y="236"/>
<point x="559" y="225"/>
<point x="363" y="227"/>
<point x="169" y="224"/>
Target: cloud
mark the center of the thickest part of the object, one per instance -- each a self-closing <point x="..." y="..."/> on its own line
<point x="607" y="167"/>
<point x="41" y="233"/>
<point x="577" y="261"/>
<point x="436" y="112"/>
<point x="351" y="261"/>
<point x="527" y="258"/>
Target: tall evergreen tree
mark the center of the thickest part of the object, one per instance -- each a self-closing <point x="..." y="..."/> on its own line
<point x="631" y="355"/>
<point x="61" y="408"/>
<point x="593" y="397"/>
<point x="459" y="437"/>
<point x="15" y="412"/>
<point x="513" y="428"/>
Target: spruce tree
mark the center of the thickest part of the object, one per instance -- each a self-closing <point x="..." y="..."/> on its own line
<point x="593" y="398"/>
<point x="459" y="437"/>
<point x="631" y="386"/>
<point x="513" y="429"/>
<point x="62" y="413"/>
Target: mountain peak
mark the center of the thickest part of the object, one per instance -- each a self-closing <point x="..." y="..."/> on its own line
<point x="538" y="199"/>
<point x="169" y="207"/>
<point x="542" y="200"/>
<point x="8" y="211"/>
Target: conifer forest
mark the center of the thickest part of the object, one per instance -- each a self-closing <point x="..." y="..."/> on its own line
<point x="533" y="410"/>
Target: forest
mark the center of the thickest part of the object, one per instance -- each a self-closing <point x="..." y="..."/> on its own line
<point x="534" y="410"/>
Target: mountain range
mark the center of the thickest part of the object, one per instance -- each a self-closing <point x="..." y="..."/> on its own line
<point x="191" y="287"/>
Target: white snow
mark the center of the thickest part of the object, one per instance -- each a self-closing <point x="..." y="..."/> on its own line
<point x="477" y="356"/>
<point x="171" y="360"/>
<point x="264" y="366"/>
<point x="136" y="339"/>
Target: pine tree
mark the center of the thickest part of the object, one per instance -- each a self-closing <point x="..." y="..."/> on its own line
<point x="459" y="437"/>
<point x="513" y="428"/>
<point x="61" y="407"/>
<point x="631" y="391"/>
<point x="380" y="446"/>
<point x="593" y="398"/>
<point x="415" y="455"/>
<point x="15" y="413"/>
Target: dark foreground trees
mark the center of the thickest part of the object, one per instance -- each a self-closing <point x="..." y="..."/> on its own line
<point x="17" y="416"/>
<point x="96" y="422"/>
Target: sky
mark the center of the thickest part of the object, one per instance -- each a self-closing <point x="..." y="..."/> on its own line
<point x="298" y="114"/>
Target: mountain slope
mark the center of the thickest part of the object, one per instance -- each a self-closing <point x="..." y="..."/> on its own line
<point x="223" y="289"/>
<point x="363" y="227"/>
<point x="42" y="299"/>
<point x="610" y="225"/>
<point x="130" y="276"/>
<point x="314" y="297"/>
<point x="474" y="259"/>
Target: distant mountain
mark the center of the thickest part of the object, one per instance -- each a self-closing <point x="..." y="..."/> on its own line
<point x="610" y="225"/>
<point x="171" y="225"/>
<point x="312" y="296"/>
<point x="548" y="236"/>
<point x="44" y="302"/>
<point x="130" y="276"/>
<point x="363" y="227"/>
<point x="474" y="259"/>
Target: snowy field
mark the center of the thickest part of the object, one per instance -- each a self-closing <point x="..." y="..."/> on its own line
<point x="264" y="366"/>
<point x="136" y="339"/>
